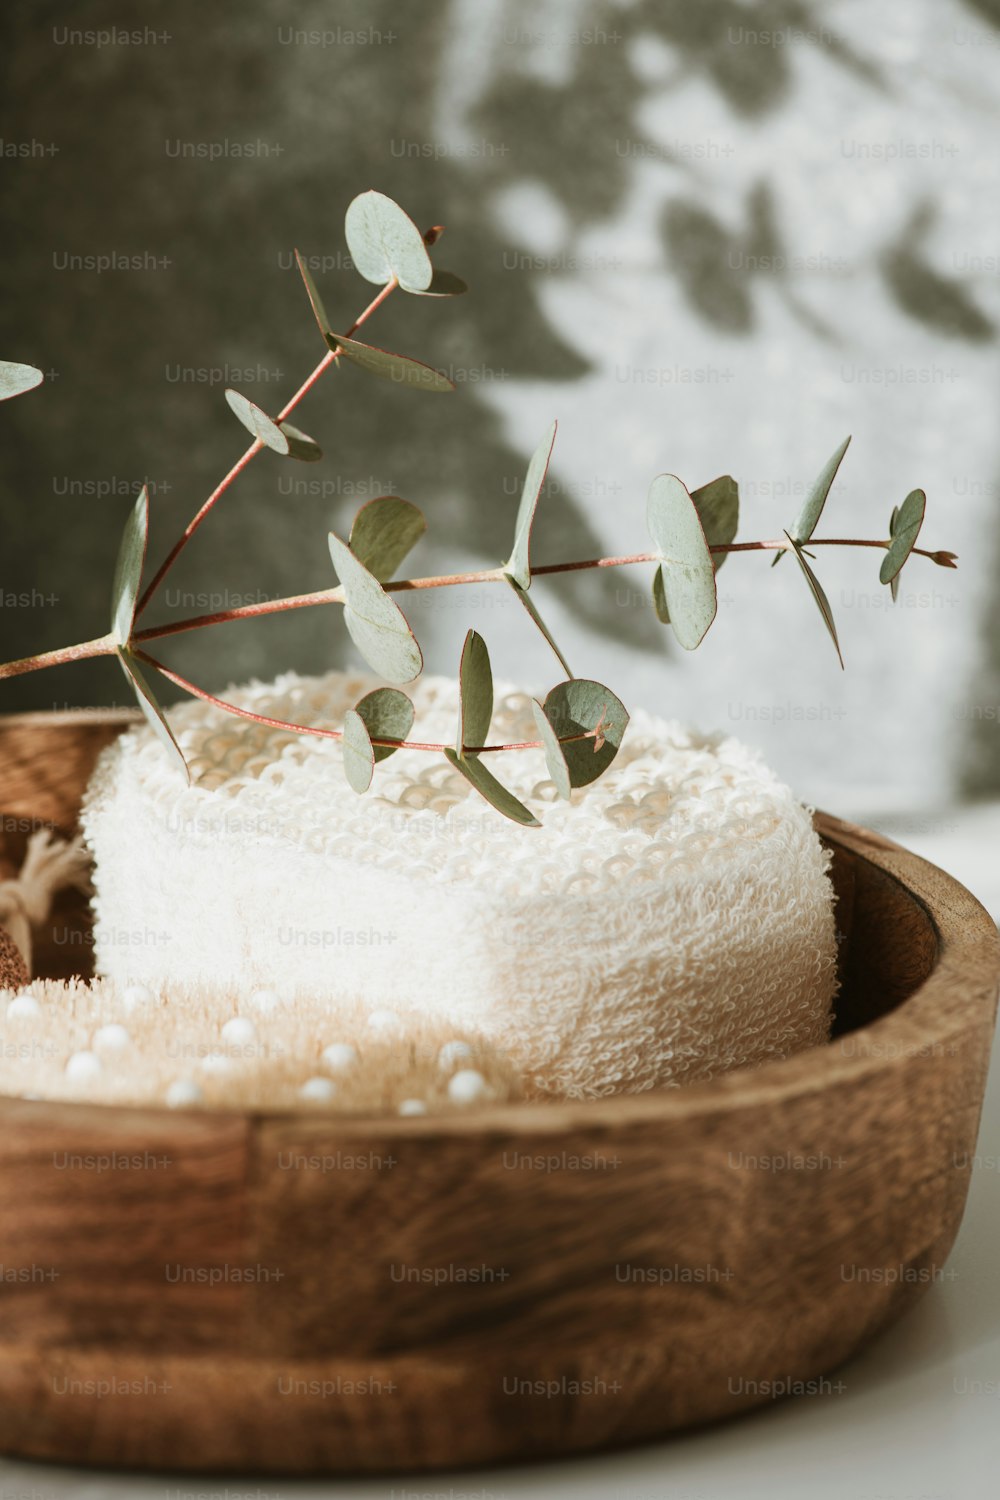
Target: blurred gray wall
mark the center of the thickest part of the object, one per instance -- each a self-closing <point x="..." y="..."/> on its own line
<point x="707" y="237"/>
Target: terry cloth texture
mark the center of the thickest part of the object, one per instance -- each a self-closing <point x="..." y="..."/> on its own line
<point x="674" y="921"/>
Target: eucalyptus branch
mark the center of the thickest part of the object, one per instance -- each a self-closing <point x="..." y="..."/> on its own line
<point x="580" y="723"/>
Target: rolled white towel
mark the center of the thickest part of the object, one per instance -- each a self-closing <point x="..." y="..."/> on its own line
<point x="672" y="922"/>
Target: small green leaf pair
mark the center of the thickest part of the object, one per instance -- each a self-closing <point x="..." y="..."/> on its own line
<point x="384" y="531"/>
<point x="281" y="437"/>
<point x="580" y="725"/>
<point x="685" y="527"/>
<point x="904" y="528"/>
<point x="398" y="367"/>
<point x="386" y="245"/>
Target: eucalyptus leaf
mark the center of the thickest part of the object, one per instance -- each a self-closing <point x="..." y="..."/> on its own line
<point x="359" y="753"/>
<point x="580" y="707"/>
<point x="529" y="605"/>
<point x="154" y="713"/>
<point x="384" y="243"/>
<point x="16" y="379"/>
<point x="518" y="565"/>
<point x="376" y="624"/>
<point x="315" y="300"/>
<point x="475" y="681"/>
<point x="444" y="284"/>
<point x="494" y="791"/>
<point x="128" y="569"/>
<point x="397" y="367"/>
<point x="904" y="530"/>
<point x="384" y="532"/>
<point x="687" y="571"/>
<point x="718" y="506"/>
<point x="387" y="714"/>
<point x="554" y="757"/>
<point x="660" y="598"/>
<point x="812" y="506"/>
<point x="894" y="582"/>
<point x="818" y="594"/>
<point x="258" y="423"/>
<point x="300" y="445"/>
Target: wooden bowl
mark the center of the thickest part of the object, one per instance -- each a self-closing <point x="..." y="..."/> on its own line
<point x="299" y="1294"/>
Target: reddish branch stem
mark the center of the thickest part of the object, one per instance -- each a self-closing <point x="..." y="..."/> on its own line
<point x="255" y="447"/>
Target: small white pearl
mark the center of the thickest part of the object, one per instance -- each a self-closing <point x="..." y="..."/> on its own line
<point x="136" y="995"/>
<point x="183" y="1093"/>
<point x="111" y="1038"/>
<point x="215" y="1062"/>
<point x="468" y="1086"/>
<point x="340" y="1056"/>
<point x="83" y="1067"/>
<point x="453" y="1052"/>
<point x="383" y="1020"/>
<point x="317" y="1089"/>
<point x="264" y="1001"/>
<point x="239" y="1030"/>
<point x="413" y="1107"/>
<point x="23" y="1008"/>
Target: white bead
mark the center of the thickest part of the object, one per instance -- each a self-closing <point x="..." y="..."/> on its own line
<point x="83" y="1067"/>
<point x="413" y="1107"/>
<point x="453" y="1052"/>
<point x="111" y="1038"/>
<point x="135" y="996"/>
<point x="383" y="1020"/>
<point x="264" y="1001"/>
<point x="340" y="1056"/>
<point x="317" y="1089"/>
<point x="23" y="1008"/>
<point x="184" y="1093"/>
<point x="239" y="1030"/>
<point x="468" y="1086"/>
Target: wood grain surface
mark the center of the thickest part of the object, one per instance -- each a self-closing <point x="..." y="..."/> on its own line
<point x="299" y="1294"/>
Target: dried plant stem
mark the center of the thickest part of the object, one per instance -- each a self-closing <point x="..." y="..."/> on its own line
<point x="241" y="463"/>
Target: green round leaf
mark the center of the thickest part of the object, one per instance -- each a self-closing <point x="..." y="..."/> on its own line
<point x="359" y="754"/>
<point x="387" y="715"/>
<point x="155" y="716"/>
<point x="16" y="379"/>
<point x="577" y="708"/>
<point x="554" y="757"/>
<point x="300" y="444"/>
<point x="494" y="791"/>
<point x="258" y="423"/>
<point x="376" y="624"/>
<point x="687" y="569"/>
<point x="443" y="284"/>
<point x="384" y="243"/>
<point x="397" y="367"/>
<point x="518" y="564"/>
<point x="128" y="569"/>
<point x="718" y="505"/>
<point x="475" y="679"/>
<point x="904" y="530"/>
<point x="384" y="532"/>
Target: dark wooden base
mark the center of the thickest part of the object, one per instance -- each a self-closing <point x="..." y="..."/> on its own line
<point x="300" y="1294"/>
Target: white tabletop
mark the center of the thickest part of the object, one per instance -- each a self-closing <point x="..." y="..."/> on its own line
<point x="917" y="1418"/>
